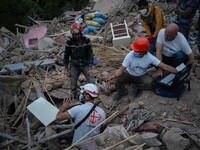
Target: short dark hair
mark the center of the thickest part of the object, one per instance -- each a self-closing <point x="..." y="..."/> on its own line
<point x="91" y="98"/>
<point x="142" y="3"/>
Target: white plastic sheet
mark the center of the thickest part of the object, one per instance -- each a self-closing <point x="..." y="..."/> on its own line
<point x="43" y="110"/>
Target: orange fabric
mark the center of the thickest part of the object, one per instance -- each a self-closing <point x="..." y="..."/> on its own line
<point x="158" y="19"/>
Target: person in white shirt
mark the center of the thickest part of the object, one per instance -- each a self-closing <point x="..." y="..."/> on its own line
<point x="134" y="68"/>
<point x="172" y="47"/>
<point x="90" y="92"/>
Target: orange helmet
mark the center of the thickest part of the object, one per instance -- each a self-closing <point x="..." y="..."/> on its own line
<point x="76" y="28"/>
<point x="140" y="45"/>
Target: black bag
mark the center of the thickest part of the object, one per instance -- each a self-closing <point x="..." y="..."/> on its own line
<point x="172" y="85"/>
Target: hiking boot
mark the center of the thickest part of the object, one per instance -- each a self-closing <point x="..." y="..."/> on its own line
<point x="120" y="93"/>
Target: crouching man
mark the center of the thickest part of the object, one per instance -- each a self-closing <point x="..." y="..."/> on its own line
<point x="87" y="116"/>
<point x="134" y="68"/>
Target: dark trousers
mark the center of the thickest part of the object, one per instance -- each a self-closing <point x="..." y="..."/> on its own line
<point x="75" y="73"/>
<point x="198" y="39"/>
<point x="175" y="60"/>
<point x="152" y="48"/>
<point x="126" y="78"/>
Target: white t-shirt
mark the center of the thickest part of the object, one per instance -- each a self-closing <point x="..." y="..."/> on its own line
<point x="171" y="47"/>
<point x="96" y="117"/>
<point x="138" y="66"/>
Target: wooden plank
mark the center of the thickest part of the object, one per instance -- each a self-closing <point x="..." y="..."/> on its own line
<point x="60" y="93"/>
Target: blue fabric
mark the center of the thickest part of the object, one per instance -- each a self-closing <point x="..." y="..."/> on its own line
<point x="136" y="55"/>
<point x="99" y="20"/>
<point x="86" y="31"/>
<point x="169" y="94"/>
<point x="92" y="28"/>
<point x="95" y="61"/>
<point x="101" y="15"/>
<point x="89" y="29"/>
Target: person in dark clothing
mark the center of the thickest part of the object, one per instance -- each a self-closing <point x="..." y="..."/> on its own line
<point x="185" y="11"/>
<point x="198" y="38"/>
<point x="78" y="56"/>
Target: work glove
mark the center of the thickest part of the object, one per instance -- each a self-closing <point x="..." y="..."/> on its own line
<point x="150" y="37"/>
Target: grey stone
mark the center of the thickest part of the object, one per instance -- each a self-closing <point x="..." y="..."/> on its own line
<point x="174" y="141"/>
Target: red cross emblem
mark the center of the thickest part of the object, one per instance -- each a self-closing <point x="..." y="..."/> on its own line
<point x="94" y="117"/>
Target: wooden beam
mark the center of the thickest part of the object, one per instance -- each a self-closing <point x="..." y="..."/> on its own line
<point x="7" y="136"/>
<point x="122" y="141"/>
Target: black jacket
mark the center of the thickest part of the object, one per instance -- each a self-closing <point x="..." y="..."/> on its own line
<point x="78" y="52"/>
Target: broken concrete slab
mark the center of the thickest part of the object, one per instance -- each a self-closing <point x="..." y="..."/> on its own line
<point x="60" y="40"/>
<point x="19" y="66"/>
<point x="174" y="140"/>
<point x="34" y="34"/>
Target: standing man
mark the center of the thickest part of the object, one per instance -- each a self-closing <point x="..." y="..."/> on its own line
<point x="172" y="47"/>
<point x="153" y="21"/>
<point x="198" y="38"/>
<point x="78" y="56"/>
<point x="185" y="11"/>
<point x="134" y="68"/>
<point x="90" y="92"/>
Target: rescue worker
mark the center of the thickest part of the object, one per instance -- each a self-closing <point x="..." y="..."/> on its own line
<point x="134" y="68"/>
<point x="78" y="56"/>
<point x="198" y="38"/>
<point x="185" y="10"/>
<point x="78" y="112"/>
<point x="172" y="47"/>
<point x="153" y="21"/>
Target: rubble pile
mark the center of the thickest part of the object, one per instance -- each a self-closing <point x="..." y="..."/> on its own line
<point x="31" y="66"/>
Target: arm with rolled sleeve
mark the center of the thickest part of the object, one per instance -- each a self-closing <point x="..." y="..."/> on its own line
<point x="63" y="114"/>
<point x="190" y="58"/>
<point x="187" y="50"/>
<point x="167" y="67"/>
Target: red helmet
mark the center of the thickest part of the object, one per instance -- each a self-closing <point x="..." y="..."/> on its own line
<point x="76" y="28"/>
<point x="140" y="45"/>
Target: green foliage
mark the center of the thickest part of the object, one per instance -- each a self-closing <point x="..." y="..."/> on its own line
<point x="51" y="8"/>
<point x="80" y="4"/>
<point x="17" y="11"/>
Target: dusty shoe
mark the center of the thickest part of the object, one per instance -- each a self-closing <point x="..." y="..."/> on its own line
<point x="119" y="94"/>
